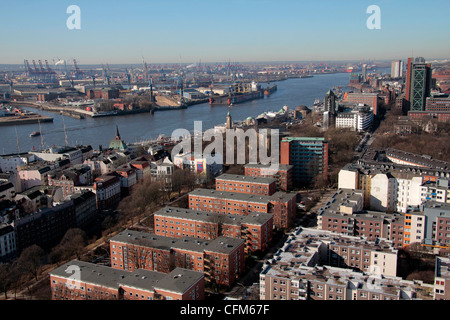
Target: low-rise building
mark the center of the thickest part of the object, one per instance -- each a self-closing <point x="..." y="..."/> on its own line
<point x="78" y="280"/>
<point x="246" y="184"/>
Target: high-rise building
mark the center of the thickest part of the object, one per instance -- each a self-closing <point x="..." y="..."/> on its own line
<point x="308" y="156"/>
<point x="418" y="84"/>
<point x="396" y="69"/>
<point x="330" y="102"/>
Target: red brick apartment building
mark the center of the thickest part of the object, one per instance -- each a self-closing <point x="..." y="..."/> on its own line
<point x="281" y="205"/>
<point x="246" y="184"/>
<point x="283" y="174"/>
<point x="78" y="280"/>
<point x="221" y="259"/>
<point x="256" y="229"/>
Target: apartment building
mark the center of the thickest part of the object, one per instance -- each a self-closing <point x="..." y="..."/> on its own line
<point x="308" y="156"/>
<point x="220" y="259"/>
<point x="283" y="174"/>
<point x="281" y="205"/>
<point x="107" y="187"/>
<point x="301" y="270"/>
<point x="246" y="184"/>
<point x="78" y="280"/>
<point x="442" y="279"/>
<point x="256" y="229"/>
<point x="343" y="214"/>
<point x="437" y="190"/>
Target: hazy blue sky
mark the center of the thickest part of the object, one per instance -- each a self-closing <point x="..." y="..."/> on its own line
<point x="209" y="31"/>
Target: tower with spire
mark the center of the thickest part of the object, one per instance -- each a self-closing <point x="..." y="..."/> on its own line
<point x="117" y="143"/>
<point x="229" y="123"/>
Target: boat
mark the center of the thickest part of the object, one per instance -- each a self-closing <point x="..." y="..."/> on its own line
<point x="35" y="134"/>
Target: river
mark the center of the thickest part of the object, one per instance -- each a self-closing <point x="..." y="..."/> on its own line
<point x="138" y="127"/>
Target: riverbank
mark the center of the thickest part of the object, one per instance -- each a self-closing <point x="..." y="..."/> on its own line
<point x="18" y="120"/>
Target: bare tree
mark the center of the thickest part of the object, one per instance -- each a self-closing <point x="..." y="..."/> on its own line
<point x="31" y="260"/>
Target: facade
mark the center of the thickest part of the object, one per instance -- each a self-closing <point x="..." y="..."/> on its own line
<point x="283" y="174"/>
<point x="77" y="280"/>
<point x="128" y="178"/>
<point x="359" y="119"/>
<point x="256" y="229"/>
<point x="370" y="99"/>
<point x="69" y="178"/>
<point x="7" y="242"/>
<point x="221" y="259"/>
<point x="246" y="184"/>
<point x="442" y="279"/>
<point x="9" y="163"/>
<point x="45" y="227"/>
<point x="308" y="156"/>
<point x="204" y="167"/>
<point x="75" y="155"/>
<point x="397" y="69"/>
<point x="107" y="189"/>
<point x="281" y="205"/>
<point x="418" y="84"/>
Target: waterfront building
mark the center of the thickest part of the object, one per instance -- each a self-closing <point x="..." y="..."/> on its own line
<point x="117" y="143"/>
<point x="308" y="156"/>
<point x="10" y="162"/>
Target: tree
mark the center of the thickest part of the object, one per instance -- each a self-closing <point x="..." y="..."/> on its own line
<point x="5" y="279"/>
<point x="72" y="244"/>
<point x="31" y="260"/>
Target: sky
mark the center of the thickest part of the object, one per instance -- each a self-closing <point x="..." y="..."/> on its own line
<point x="182" y="31"/>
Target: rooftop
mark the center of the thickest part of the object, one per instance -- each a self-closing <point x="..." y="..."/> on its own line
<point x="242" y="178"/>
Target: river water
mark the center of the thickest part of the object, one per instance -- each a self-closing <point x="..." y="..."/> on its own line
<point x="138" y="127"/>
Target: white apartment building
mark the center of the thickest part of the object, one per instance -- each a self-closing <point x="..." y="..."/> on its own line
<point x="358" y="119"/>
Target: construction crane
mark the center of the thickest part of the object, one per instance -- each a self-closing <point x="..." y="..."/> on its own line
<point x="105" y="74"/>
<point x="78" y="72"/>
<point x="93" y="78"/>
<point x="145" y="69"/>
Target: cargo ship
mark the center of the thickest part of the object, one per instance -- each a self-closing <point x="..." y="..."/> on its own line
<point x="270" y="90"/>
<point x="236" y="98"/>
<point x="238" y="93"/>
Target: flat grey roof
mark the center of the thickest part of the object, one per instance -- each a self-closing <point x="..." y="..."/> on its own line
<point x="178" y="280"/>
<point x="145" y="239"/>
<point x="245" y="179"/>
<point x="253" y="218"/>
<point x="228" y="195"/>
